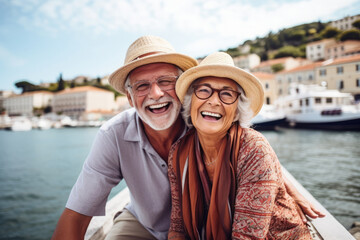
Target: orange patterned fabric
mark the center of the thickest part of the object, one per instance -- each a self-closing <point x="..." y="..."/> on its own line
<point x="263" y="209"/>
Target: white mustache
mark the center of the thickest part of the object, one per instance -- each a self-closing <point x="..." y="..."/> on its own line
<point x="164" y="99"/>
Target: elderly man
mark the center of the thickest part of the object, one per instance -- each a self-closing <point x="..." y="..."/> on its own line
<point x="134" y="146"/>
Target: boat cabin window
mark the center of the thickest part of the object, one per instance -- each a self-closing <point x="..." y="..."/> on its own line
<point x="329" y="100"/>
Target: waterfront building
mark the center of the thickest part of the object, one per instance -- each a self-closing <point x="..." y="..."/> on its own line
<point x="302" y="75"/>
<point x="3" y="96"/>
<point x="345" y="23"/>
<point x="342" y="74"/>
<point x="270" y="86"/>
<point x="75" y="101"/>
<point x="247" y="62"/>
<point x="286" y="62"/>
<point x="25" y="104"/>
<point x="315" y="51"/>
<point x="341" y="49"/>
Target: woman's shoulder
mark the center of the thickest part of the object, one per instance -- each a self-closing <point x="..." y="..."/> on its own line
<point x="255" y="144"/>
<point x="253" y="136"/>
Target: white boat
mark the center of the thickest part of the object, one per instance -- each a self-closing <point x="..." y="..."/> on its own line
<point x="316" y="107"/>
<point x="21" y="124"/>
<point x="269" y="118"/>
<point x="44" y="124"/>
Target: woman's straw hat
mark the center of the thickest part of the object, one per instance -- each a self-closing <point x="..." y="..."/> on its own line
<point x="146" y="50"/>
<point x="221" y="64"/>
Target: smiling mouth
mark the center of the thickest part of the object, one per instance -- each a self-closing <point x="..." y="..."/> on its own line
<point x="211" y="116"/>
<point x="158" y="108"/>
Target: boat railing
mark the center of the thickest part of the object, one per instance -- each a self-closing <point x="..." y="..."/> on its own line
<point x="327" y="228"/>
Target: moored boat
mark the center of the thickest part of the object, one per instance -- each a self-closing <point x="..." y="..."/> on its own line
<point x="20" y="124"/>
<point x="316" y="107"/>
<point x="269" y="118"/>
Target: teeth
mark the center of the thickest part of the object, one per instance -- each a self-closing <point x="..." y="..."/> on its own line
<point x="211" y="114"/>
<point x="158" y="105"/>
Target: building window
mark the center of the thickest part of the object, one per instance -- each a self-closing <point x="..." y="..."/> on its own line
<point x="318" y="100"/>
<point x="299" y="79"/>
<point x="358" y="82"/>
<point x="328" y="100"/>
<point x="268" y="100"/>
<point x="322" y="72"/>
<point x="358" y="67"/>
<point x="289" y="79"/>
<point x="310" y="77"/>
<point x="340" y="70"/>
<point x="266" y="86"/>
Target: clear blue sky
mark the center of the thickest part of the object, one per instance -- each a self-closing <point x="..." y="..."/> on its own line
<point x="39" y="39"/>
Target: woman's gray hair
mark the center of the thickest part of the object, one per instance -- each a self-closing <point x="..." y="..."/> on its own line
<point x="243" y="112"/>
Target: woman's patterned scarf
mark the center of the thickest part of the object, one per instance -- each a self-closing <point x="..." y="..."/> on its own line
<point x="207" y="207"/>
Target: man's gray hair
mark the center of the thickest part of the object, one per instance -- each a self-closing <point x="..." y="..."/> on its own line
<point x="243" y="112"/>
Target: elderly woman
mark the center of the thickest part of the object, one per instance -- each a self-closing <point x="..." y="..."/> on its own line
<point x="226" y="180"/>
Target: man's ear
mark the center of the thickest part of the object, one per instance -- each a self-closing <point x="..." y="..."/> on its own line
<point x="129" y="99"/>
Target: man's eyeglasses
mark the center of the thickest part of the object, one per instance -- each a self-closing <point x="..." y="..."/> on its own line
<point x="226" y="96"/>
<point x="143" y="87"/>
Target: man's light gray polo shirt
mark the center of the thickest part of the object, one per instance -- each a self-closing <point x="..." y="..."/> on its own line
<point x="121" y="151"/>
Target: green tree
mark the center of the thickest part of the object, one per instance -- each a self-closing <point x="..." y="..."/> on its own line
<point x="27" y="86"/>
<point x="288" y="51"/>
<point x="277" y="67"/>
<point x="61" y="83"/>
<point x="234" y="52"/>
<point x="329" y="32"/>
<point x="352" y="34"/>
<point x="356" y="24"/>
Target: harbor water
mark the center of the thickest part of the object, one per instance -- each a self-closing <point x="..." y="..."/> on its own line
<point x="38" y="169"/>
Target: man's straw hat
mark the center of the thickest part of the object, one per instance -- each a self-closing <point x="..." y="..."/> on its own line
<point x="146" y="50"/>
<point x="221" y="64"/>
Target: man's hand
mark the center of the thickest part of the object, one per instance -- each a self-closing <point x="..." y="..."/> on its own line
<point x="304" y="207"/>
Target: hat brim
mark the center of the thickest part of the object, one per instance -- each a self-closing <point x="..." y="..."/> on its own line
<point x="117" y="79"/>
<point x="250" y="84"/>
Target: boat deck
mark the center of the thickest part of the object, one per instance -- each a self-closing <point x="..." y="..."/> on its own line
<point x="327" y="228"/>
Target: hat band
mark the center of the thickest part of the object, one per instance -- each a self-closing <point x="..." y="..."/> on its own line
<point x="145" y="55"/>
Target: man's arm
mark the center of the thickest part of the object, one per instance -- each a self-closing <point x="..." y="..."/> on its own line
<point x="71" y="226"/>
<point x="304" y="206"/>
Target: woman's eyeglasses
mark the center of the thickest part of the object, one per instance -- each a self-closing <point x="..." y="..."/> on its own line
<point x="226" y="96"/>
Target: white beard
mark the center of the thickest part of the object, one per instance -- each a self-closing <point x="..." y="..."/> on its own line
<point x="163" y="122"/>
